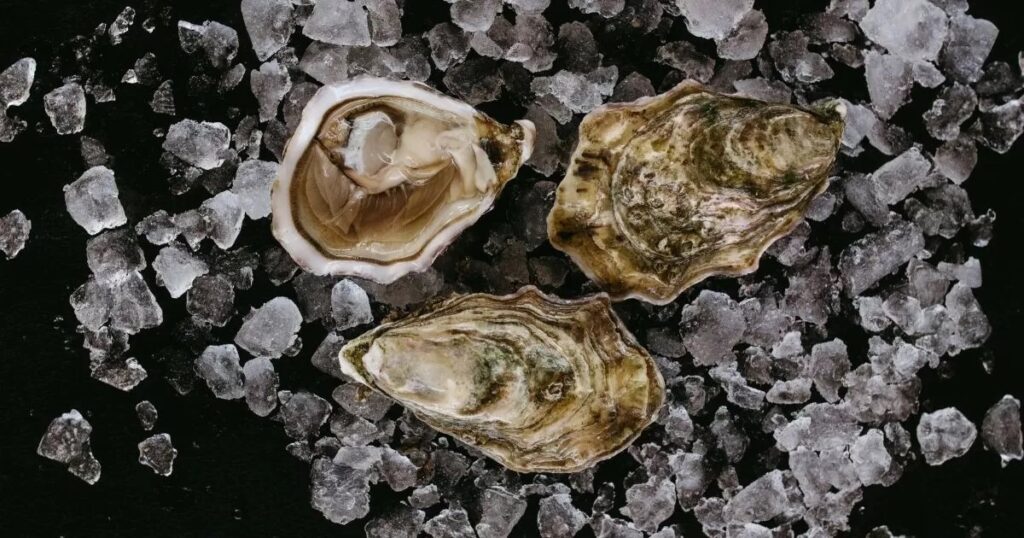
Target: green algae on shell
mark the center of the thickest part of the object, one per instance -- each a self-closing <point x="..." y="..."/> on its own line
<point x="538" y="383"/>
<point x="666" y="191"/>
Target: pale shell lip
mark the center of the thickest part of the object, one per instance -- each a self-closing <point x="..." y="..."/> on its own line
<point x="307" y="255"/>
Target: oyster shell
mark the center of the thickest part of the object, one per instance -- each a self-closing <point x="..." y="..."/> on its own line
<point x="668" y="190"/>
<point x="381" y="175"/>
<point x="538" y="383"/>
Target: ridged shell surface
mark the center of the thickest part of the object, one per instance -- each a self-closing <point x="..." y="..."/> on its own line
<point x="538" y="383"/>
<point x="668" y="190"/>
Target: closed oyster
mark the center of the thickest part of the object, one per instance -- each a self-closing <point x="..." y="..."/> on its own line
<point x="381" y="175"/>
<point x="538" y="383"/>
<point x="668" y="190"/>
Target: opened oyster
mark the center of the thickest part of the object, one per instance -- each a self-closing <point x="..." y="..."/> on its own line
<point x="381" y="175"/>
<point x="538" y="383"/>
<point x="668" y="190"/>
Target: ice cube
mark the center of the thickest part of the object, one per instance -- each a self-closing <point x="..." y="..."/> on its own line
<point x="403" y="521"/>
<point x="361" y="401"/>
<point x="66" y="108"/>
<point x="92" y="151"/>
<point x="176" y="268"/>
<point x="340" y="22"/>
<point x="398" y="470"/>
<point x="763" y="499"/>
<point x="954" y="105"/>
<point x="736" y="389"/>
<point x="968" y="273"/>
<point x="158" y="453"/>
<point x="260" y="386"/>
<point x="271" y="329"/>
<point x="121" y="373"/>
<point x="121" y="25"/>
<point x="794" y="391"/>
<point x="819" y="427"/>
<point x="578" y="92"/>
<point x="385" y="22"/>
<point x="67" y="441"/>
<point x="632" y="87"/>
<point x="890" y="79"/>
<point x="325" y="358"/>
<point x="795" y="62"/>
<point x="162" y="101"/>
<point x="1001" y="125"/>
<point x="113" y="254"/>
<point x="475" y="80"/>
<point x="713" y="19"/>
<point x="711" y="325"/>
<point x="269" y="24"/>
<point x="92" y="200"/>
<point x="16" y="83"/>
<point x="548" y="146"/>
<point x="449" y="45"/>
<point x="411" y="289"/>
<point x="876" y="255"/>
<point x="870" y="458"/>
<point x="224" y="214"/>
<point x="303" y="413"/>
<point x="901" y="176"/>
<point x="911" y="29"/>
<point x="772" y="91"/>
<point x="452" y="522"/>
<point x="956" y="159"/>
<point x="147" y="414"/>
<point x="340" y="492"/>
<point x="200" y="144"/>
<point x="970" y="42"/>
<point x="219" y="43"/>
<point x="650" y="503"/>
<point x="944" y="435"/>
<point x="211" y="300"/>
<point x="1001" y="429"/>
<point x="500" y="511"/>
<point x="685" y="57"/>
<point x="558" y="518"/>
<point x="14" y="230"/>
<point x="269" y="85"/>
<point x="971" y="325"/>
<point x="252" y="185"/>
<point x="10" y="127"/>
<point x="577" y="47"/>
<point x="605" y="8"/>
<point x="218" y="366"/>
<point x="425" y="497"/>
<point x="474" y="15"/>
<point x="746" y="39"/>
<point x="127" y="304"/>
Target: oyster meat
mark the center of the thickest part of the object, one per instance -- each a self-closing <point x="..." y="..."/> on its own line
<point x="668" y="190"/>
<point x="381" y="175"/>
<point x="538" y="383"/>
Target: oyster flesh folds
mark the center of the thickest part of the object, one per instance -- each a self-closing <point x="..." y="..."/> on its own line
<point x="381" y="175"/>
<point x="538" y="383"/>
<point x="668" y="190"/>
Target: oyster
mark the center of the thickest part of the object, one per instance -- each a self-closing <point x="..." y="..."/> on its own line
<point x="381" y="175"/>
<point x="668" y="190"/>
<point x="538" y="383"/>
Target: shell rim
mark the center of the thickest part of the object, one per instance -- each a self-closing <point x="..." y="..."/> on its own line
<point x="301" y="249"/>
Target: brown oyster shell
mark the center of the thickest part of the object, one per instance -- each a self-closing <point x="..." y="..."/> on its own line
<point x="668" y="190"/>
<point x="538" y="383"/>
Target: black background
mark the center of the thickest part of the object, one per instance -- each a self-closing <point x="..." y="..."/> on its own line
<point x="232" y="476"/>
